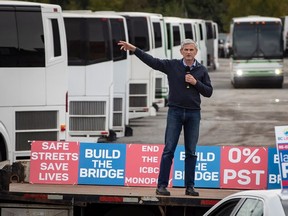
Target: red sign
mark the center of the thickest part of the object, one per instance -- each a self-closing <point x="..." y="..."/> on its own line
<point x="54" y="162"/>
<point x="244" y="167"/>
<point x="142" y="164"/>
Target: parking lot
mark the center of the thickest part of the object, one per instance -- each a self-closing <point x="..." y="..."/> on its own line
<point x="243" y="117"/>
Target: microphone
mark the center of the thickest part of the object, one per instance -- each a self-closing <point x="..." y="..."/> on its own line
<point x="187" y="69"/>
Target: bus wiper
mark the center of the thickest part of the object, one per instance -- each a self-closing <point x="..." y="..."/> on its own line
<point x="251" y="56"/>
<point x="258" y="49"/>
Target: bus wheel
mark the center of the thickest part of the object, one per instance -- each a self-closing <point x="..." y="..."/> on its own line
<point x="112" y="136"/>
<point x="236" y="84"/>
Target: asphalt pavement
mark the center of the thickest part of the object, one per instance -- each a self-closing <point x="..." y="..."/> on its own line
<point x="243" y="117"/>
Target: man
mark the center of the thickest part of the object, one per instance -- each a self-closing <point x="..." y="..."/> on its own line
<point x="188" y="79"/>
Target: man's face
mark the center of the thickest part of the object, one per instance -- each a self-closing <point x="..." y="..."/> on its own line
<point x="188" y="52"/>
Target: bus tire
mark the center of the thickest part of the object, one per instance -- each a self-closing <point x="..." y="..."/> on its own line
<point x="112" y="136"/>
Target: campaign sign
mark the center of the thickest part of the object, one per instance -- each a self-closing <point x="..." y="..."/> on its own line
<point x="102" y="163"/>
<point x="243" y="167"/>
<point x="54" y="162"/>
<point x="274" y="179"/>
<point x="142" y="164"/>
<point x="281" y="133"/>
<point x="207" y="170"/>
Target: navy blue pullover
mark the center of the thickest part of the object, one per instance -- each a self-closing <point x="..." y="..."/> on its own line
<point x="179" y="94"/>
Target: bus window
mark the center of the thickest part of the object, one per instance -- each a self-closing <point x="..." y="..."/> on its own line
<point x="56" y="37"/>
<point x="31" y="45"/>
<point x="99" y="49"/>
<point x="8" y="39"/>
<point x="75" y="41"/>
<point x="209" y="30"/>
<point x="176" y="36"/>
<point x="95" y="36"/>
<point x="188" y="31"/>
<point x="168" y="36"/>
<point x="157" y="35"/>
<point x="24" y="46"/>
<point x="118" y="34"/>
<point x="138" y="32"/>
<point x="201" y="32"/>
<point x="195" y="33"/>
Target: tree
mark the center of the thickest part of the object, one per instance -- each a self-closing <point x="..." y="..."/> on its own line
<point x="206" y="9"/>
<point x="239" y="8"/>
<point x="220" y="11"/>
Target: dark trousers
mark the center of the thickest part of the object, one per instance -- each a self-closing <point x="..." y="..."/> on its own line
<point x="177" y="119"/>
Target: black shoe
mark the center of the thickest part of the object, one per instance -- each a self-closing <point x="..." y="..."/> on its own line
<point x="191" y="191"/>
<point x="162" y="191"/>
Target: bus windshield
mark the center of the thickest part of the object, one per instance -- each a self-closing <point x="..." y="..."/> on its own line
<point x="257" y="40"/>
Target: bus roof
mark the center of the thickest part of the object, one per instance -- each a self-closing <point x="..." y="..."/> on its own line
<point x="47" y="7"/>
<point x="132" y="13"/>
<point x="256" y="19"/>
<point x="76" y="14"/>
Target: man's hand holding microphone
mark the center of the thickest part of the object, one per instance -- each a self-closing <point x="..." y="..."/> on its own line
<point x="189" y="79"/>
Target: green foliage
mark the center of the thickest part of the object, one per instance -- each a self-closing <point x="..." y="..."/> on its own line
<point x="239" y="8"/>
<point x="220" y="11"/>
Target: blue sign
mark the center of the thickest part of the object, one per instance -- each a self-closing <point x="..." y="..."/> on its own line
<point x="274" y="179"/>
<point x="281" y="133"/>
<point x="207" y="171"/>
<point x="283" y="162"/>
<point x="102" y="164"/>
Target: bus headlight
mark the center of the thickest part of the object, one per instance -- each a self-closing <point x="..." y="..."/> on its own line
<point x="278" y="71"/>
<point x="239" y="72"/>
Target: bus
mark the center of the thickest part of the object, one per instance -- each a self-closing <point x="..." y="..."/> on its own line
<point x="212" y="44"/>
<point x="284" y="20"/>
<point x="257" y="48"/>
<point x="142" y="77"/>
<point x="201" y="39"/>
<point x="33" y="77"/>
<point x="121" y="77"/>
<point x="159" y="51"/>
<point x="90" y="80"/>
<point x="121" y="74"/>
<point x="174" y="32"/>
<point x="191" y="30"/>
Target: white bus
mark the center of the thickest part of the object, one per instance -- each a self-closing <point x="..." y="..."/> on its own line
<point x="200" y="36"/>
<point x="284" y="20"/>
<point x="142" y="77"/>
<point x="174" y="32"/>
<point x="121" y="76"/>
<point x="212" y="44"/>
<point x="191" y="30"/>
<point x="159" y="51"/>
<point x="90" y="63"/>
<point x="33" y="77"/>
<point x="257" y="47"/>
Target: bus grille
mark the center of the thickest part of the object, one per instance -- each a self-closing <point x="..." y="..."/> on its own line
<point x="34" y="125"/>
<point x="138" y="95"/>
<point x="158" y="88"/>
<point x="117" y="112"/>
<point x="87" y="115"/>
